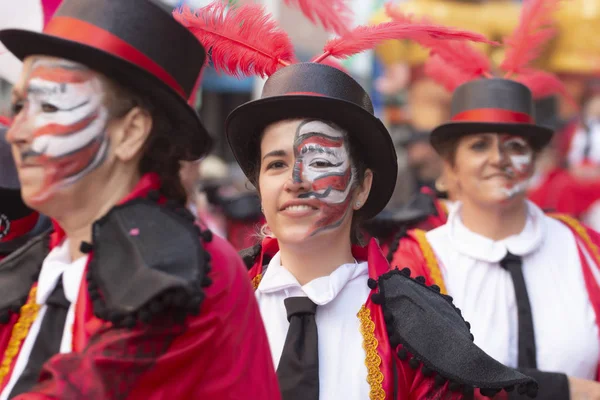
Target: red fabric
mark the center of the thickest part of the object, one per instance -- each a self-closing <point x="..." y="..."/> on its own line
<point x="21" y="226"/>
<point x="412" y="384"/>
<point x="560" y="192"/>
<point x="90" y="35"/>
<point x="222" y="353"/>
<point x="493" y="115"/>
<point x="591" y="284"/>
<point x="243" y="234"/>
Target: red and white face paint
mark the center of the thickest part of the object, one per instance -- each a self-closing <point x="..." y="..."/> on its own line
<point x="64" y="119"/>
<point x="323" y="160"/>
<point x="519" y="166"/>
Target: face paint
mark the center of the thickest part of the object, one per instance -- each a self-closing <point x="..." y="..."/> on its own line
<point x="65" y="112"/>
<point x="322" y="159"/>
<point x="520" y="156"/>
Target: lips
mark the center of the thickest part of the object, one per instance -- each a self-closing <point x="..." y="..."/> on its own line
<point x="300" y="205"/>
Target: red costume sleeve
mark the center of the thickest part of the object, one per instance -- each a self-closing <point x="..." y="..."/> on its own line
<point x="222" y="353"/>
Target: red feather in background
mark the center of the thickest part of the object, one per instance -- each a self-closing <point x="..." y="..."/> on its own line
<point x="543" y="84"/>
<point x="447" y="75"/>
<point x="534" y="30"/>
<point x="242" y="41"/>
<point x="458" y="55"/>
<point x="335" y="15"/>
<point x="364" y="38"/>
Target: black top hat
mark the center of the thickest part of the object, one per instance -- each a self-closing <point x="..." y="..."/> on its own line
<point x="134" y="42"/>
<point x="311" y="90"/>
<point x="492" y="105"/>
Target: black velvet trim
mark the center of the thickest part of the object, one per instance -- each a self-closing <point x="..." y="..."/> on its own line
<point x="396" y="243"/>
<point x="148" y="260"/>
<point x="18" y="272"/>
<point x="431" y="329"/>
<point x="250" y="255"/>
<point x="552" y="385"/>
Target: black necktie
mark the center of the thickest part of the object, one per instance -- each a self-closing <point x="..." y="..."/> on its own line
<point x="298" y="370"/>
<point x="48" y="339"/>
<point x="527" y="352"/>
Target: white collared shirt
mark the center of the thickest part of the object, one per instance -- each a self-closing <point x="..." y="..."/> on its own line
<point x="58" y="262"/>
<point x="339" y="297"/>
<point x="566" y="330"/>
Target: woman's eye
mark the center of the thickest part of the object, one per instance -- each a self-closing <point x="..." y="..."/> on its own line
<point x="479" y="145"/>
<point x="276" y="165"/>
<point x="517" y="147"/>
<point x="49" y="108"/>
<point x="16" y="108"/>
<point x="321" y="164"/>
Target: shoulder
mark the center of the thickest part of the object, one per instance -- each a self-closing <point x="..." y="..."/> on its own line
<point x="429" y="332"/>
<point x="148" y="259"/>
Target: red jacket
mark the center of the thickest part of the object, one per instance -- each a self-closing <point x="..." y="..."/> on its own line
<point x="389" y="376"/>
<point x="212" y="355"/>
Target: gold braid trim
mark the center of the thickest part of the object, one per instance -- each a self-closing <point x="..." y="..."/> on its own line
<point x="373" y="361"/>
<point x="19" y="332"/>
<point x="581" y="232"/>
<point x="430" y="260"/>
<point x="256" y="281"/>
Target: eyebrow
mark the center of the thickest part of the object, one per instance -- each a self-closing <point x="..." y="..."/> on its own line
<point x="275" y="153"/>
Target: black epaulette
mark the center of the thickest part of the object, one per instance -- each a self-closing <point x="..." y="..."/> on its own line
<point x="147" y="260"/>
<point x="250" y="255"/>
<point x="429" y="332"/>
<point x="18" y="272"/>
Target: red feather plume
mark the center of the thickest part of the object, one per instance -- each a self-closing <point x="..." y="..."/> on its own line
<point x="447" y="75"/>
<point x="534" y="30"/>
<point x="243" y="41"/>
<point x="335" y="15"/>
<point x="458" y="55"/>
<point x="364" y="38"/>
<point x="543" y="84"/>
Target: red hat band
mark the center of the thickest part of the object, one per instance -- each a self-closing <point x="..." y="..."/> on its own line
<point x="493" y="115"/>
<point x="83" y="32"/>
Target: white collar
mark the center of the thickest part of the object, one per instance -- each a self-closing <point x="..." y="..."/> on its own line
<point x="321" y="290"/>
<point x="58" y="262"/>
<point x="481" y="248"/>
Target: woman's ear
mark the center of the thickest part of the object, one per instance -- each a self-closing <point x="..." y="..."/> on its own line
<point x="130" y="132"/>
<point x="362" y="191"/>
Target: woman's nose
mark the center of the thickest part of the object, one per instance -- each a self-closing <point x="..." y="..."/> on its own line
<point x="18" y="131"/>
<point x="296" y="183"/>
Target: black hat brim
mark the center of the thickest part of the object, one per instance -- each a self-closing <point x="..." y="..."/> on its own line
<point x="537" y="136"/>
<point x="246" y="123"/>
<point x="191" y="134"/>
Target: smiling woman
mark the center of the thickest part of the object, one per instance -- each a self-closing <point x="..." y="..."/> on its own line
<point x="528" y="262"/>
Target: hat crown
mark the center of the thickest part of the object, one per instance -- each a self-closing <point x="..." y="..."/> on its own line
<point x="313" y="79"/>
<point x="147" y="28"/>
<point x="493" y="93"/>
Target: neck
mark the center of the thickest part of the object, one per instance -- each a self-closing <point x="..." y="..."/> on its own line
<point x="320" y="258"/>
<point x="77" y="218"/>
<point x="495" y="223"/>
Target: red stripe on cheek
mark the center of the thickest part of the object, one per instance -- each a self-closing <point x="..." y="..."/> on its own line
<point x="333" y="213"/>
<point x="339" y="183"/>
<point x="60" y="130"/>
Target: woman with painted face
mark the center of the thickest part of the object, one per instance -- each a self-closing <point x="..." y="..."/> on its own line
<point x="127" y="298"/>
<point x="529" y="282"/>
<point x="340" y="324"/>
